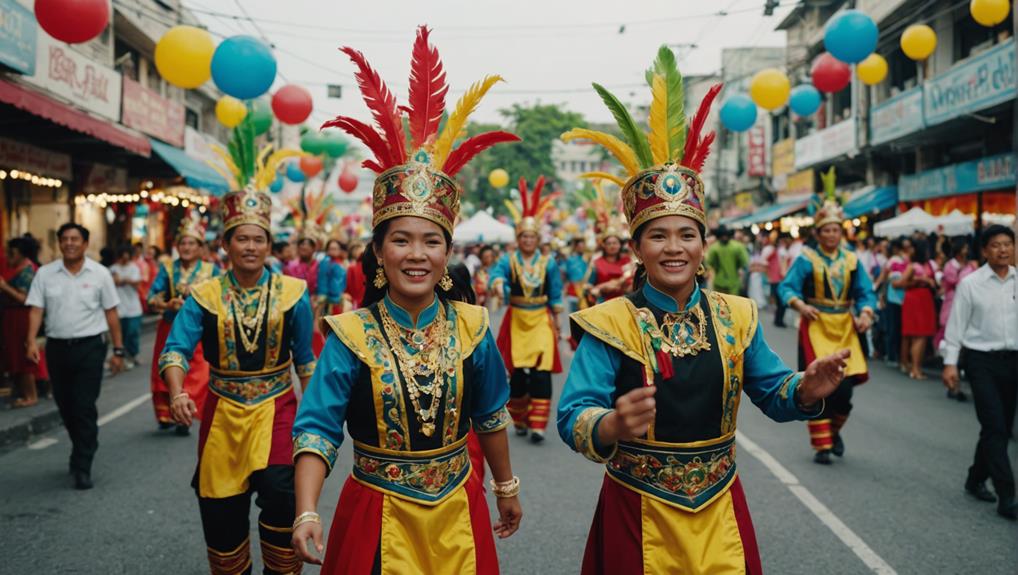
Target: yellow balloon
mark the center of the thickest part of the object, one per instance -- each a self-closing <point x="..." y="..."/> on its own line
<point x="230" y="111"/>
<point x="872" y="70"/>
<point x="918" y="41"/>
<point x="184" y="56"/>
<point x="498" y="178"/>
<point x="769" y="89"/>
<point x="989" y="12"/>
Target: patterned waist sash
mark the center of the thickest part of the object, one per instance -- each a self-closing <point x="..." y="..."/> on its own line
<point x="426" y="477"/>
<point x="251" y="388"/>
<point x="829" y="305"/>
<point x="524" y="302"/>
<point x="687" y="477"/>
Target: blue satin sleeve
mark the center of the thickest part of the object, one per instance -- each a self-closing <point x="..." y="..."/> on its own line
<point x="300" y="342"/>
<point x="862" y="291"/>
<point x="324" y="283"/>
<point x="318" y="427"/>
<point x="501" y="271"/>
<point x="160" y="285"/>
<point x="338" y="285"/>
<point x="576" y="268"/>
<point x="554" y="284"/>
<point x="791" y="286"/>
<point x="590" y="387"/>
<point x="490" y="391"/>
<point x="184" y="337"/>
<point x="769" y="383"/>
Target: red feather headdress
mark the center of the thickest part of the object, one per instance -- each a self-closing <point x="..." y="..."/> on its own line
<point x="416" y="177"/>
<point x="528" y="219"/>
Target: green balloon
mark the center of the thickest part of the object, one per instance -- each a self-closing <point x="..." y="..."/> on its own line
<point x="261" y="116"/>
<point x="313" y="143"/>
<point x="336" y="146"/>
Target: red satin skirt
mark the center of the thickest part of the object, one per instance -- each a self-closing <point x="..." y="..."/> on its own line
<point x="918" y="313"/>
<point x="196" y="381"/>
<point x="12" y="354"/>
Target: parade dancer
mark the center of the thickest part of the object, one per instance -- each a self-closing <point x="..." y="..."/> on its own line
<point x="835" y="300"/>
<point x="415" y="369"/>
<point x="313" y="270"/>
<point x="655" y="385"/>
<point x="528" y="337"/>
<point x="168" y="293"/>
<point x="611" y="272"/>
<point x="576" y="272"/>
<point x="254" y="327"/>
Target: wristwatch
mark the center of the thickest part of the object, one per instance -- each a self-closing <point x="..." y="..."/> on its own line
<point x="118" y="352"/>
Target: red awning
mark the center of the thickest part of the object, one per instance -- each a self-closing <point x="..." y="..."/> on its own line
<point x="46" y="107"/>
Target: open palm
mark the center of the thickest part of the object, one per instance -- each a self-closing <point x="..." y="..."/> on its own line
<point x="823" y="376"/>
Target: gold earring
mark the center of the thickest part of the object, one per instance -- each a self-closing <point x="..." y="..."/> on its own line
<point x="380" y="280"/>
<point x="446" y="282"/>
<point x="701" y="271"/>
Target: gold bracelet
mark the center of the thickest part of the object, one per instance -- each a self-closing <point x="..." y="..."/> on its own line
<point x="505" y="489"/>
<point x="307" y="517"/>
<point x="179" y="395"/>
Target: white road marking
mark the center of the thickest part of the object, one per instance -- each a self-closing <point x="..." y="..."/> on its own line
<point x="42" y="443"/>
<point x="123" y="409"/>
<point x="840" y="530"/>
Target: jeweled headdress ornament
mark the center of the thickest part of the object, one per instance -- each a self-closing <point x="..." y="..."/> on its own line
<point x="663" y="164"/>
<point x="528" y="219"/>
<point x="416" y="178"/>
<point x="827" y="209"/>
<point x="310" y="214"/>
<point x="248" y="203"/>
<point x="602" y="209"/>
<point x="191" y="226"/>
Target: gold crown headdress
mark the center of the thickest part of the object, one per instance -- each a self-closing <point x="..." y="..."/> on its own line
<point x="827" y="208"/>
<point x="191" y="226"/>
<point x="417" y="180"/>
<point x="528" y="219"/>
<point x="310" y="215"/>
<point x="664" y="164"/>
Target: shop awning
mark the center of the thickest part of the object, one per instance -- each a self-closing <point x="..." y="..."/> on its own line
<point x="770" y="213"/>
<point x="197" y="173"/>
<point x="43" y="106"/>
<point x="872" y="201"/>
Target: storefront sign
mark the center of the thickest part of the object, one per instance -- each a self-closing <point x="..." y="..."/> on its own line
<point x="800" y="184"/>
<point x="148" y="112"/>
<point x="993" y="173"/>
<point x="834" y="141"/>
<point x="17" y="37"/>
<point x="26" y="157"/>
<point x="106" y="179"/>
<point x="744" y="200"/>
<point x="67" y="73"/>
<point x="783" y="154"/>
<point x="757" y="144"/>
<point x="897" y="116"/>
<point x="972" y="85"/>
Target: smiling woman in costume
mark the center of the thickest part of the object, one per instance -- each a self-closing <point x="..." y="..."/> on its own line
<point x="414" y="370"/>
<point x="655" y="384"/>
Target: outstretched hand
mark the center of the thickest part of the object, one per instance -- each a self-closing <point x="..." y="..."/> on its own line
<point x="822" y="377"/>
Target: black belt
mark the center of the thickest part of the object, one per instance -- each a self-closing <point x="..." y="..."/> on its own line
<point x="73" y="340"/>
<point x="997" y="353"/>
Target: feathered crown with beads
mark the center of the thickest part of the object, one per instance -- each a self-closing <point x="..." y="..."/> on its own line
<point x="532" y="207"/>
<point x="191" y="226"/>
<point x="415" y="178"/>
<point x="827" y="208"/>
<point x="602" y="209"/>
<point x="663" y="163"/>
<point x="310" y="215"/>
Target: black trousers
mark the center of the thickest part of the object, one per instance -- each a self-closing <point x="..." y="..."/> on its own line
<point x="226" y="524"/>
<point x="536" y="384"/>
<point x="76" y="372"/>
<point x="994" y="380"/>
<point x="779" y="306"/>
<point x="839" y="403"/>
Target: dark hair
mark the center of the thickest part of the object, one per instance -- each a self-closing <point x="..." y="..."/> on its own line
<point x="159" y="250"/>
<point x="307" y="241"/>
<point x="462" y="282"/>
<point x="27" y="246"/>
<point x="640" y="277"/>
<point x="229" y="234"/>
<point x="959" y="245"/>
<point x="485" y="249"/>
<point x="73" y="226"/>
<point x="278" y="246"/>
<point x="341" y="245"/>
<point x="369" y="262"/>
<point x="107" y="257"/>
<point x="125" y="249"/>
<point x="920" y="251"/>
<point x="994" y="231"/>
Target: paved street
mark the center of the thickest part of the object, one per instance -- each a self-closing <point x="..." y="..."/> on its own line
<point x="894" y="504"/>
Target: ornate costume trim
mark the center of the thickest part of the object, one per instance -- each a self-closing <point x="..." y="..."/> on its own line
<point x="735" y="320"/>
<point x="306" y="442"/>
<point x="230" y="562"/>
<point x="251" y="390"/>
<point x="426" y="479"/>
<point x="690" y="479"/>
<point x="583" y="434"/>
<point x="306" y="369"/>
<point x="280" y="559"/>
<point x="495" y="422"/>
<point x="172" y="359"/>
<point x="529" y="276"/>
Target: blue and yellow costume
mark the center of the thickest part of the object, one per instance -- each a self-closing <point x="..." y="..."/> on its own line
<point x="671" y="501"/>
<point x="577" y="274"/>
<point x="409" y="394"/>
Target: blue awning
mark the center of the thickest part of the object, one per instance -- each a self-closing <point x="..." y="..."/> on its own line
<point x="770" y="213"/>
<point x="197" y="173"/>
<point x="871" y="202"/>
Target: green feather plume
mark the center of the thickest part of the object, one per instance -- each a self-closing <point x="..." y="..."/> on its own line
<point x="675" y="115"/>
<point x="635" y="137"/>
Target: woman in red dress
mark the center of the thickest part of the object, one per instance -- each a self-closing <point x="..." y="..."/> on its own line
<point x="918" y="313"/>
<point x="15" y="279"/>
<point x="608" y="277"/>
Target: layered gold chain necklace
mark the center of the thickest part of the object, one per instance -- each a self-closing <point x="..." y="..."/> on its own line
<point x="250" y="326"/>
<point x="431" y="361"/>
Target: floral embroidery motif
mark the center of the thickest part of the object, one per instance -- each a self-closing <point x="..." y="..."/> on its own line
<point x="251" y="390"/>
<point x="732" y="357"/>
<point x="686" y="477"/>
<point x="426" y="479"/>
<point x="583" y="434"/>
<point x="312" y="443"/>
<point x="387" y="384"/>
<point x="172" y="358"/>
<point x="494" y="422"/>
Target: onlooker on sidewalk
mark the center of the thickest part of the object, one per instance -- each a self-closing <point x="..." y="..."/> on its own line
<point x="896" y="266"/>
<point x="81" y="304"/>
<point x="776" y="256"/>
<point x="127" y="278"/>
<point x="728" y="260"/>
<point x="918" y="312"/>
<point x="983" y="329"/>
<point x="956" y="269"/>
<point x="15" y="279"/>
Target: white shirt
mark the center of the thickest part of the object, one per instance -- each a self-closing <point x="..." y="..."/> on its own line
<point x="984" y="316"/>
<point x="75" y="304"/>
<point x="130" y="301"/>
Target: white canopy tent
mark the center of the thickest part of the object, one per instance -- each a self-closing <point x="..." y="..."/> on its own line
<point x="911" y="221"/>
<point x="956" y="223"/>
<point x="481" y="228"/>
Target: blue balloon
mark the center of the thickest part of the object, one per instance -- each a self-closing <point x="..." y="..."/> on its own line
<point x="294" y="173"/>
<point x="738" y="113"/>
<point x="804" y="100"/>
<point x="243" y="67"/>
<point x="851" y="36"/>
<point x="276" y="184"/>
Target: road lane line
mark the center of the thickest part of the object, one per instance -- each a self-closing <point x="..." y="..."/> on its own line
<point x="840" y="530"/>
<point x="123" y="409"/>
<point x="42" y="443"/>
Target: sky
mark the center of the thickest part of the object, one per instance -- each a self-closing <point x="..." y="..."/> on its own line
<point x="549" y="51"/>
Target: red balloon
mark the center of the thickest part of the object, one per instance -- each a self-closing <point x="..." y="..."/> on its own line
<point x="310" y="165"/>
<point x="292" y="104"/>
<point x="73" y="21"/>
<point x="830" y="74"/>
<point x="348" y="180"/>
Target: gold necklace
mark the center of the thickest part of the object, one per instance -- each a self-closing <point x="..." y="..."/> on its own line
<point x="431" y="361"/>
<point x="253" y="324"/>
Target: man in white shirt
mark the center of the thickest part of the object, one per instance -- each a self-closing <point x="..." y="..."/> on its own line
<point x="984" y="323"/>
<point x="80" y="302"/>
<point x="127" y="278"/>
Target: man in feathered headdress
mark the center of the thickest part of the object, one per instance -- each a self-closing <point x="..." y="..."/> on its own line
<point x="528" y="338"/>
<point x="835" y="300"/>
<point x="254" y="327"/>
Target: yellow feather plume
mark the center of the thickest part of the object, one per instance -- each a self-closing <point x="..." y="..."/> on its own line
<point x="622" y="152"/>
<point x="513" y="211"/>
<point x="267" y="172"/>
<point x="227" y="159"/>
<point x="230" y="178"/>
<point x="458" y="119"/>
<point x="658" y="120"/>
<point x="597" y="176"/>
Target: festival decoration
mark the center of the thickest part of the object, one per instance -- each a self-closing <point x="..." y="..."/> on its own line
<point x="277" y="185"/>
<point x="805" y="100"/>
<point x="311" y="165"/>
<point x="738" y="113"/>
<point x="498" y="178"/>
<point x="294" y="173"/>
<point x="335" y="146"/>
<point x="348" y="180"/>
<point x="989" y="13"/>
<point x="243" y="67"/>
<point x="292" y="104"/>
<point x="872" y="70"/>
<point x="261" y="116"/>
<point x="73" y="21"/>
<point x="247" y="167"/>
<point x="183" y="56"/>
<point x="769" y="88"/>
<point x="851" y="36"/>
<point x="918" y="41"/>
<point x="313" y="143"/>
<point x="230" y="111"/>
<point x="830" y="74"/>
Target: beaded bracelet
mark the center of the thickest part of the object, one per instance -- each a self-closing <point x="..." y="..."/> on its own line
<point x="306" y="517"/>
<point x="506" y="489"/>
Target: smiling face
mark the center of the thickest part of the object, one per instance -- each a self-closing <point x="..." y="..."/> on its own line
<point x="611" y="246"/>
<point x="414" y="254"/>
<point x="527" y="242"/>
<point x="671" y="248"/>
<point x="248" y="247"/>
<point x="829" y="236"/>
<point x="189" y="249"/>
<point x="999" y="251"/>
